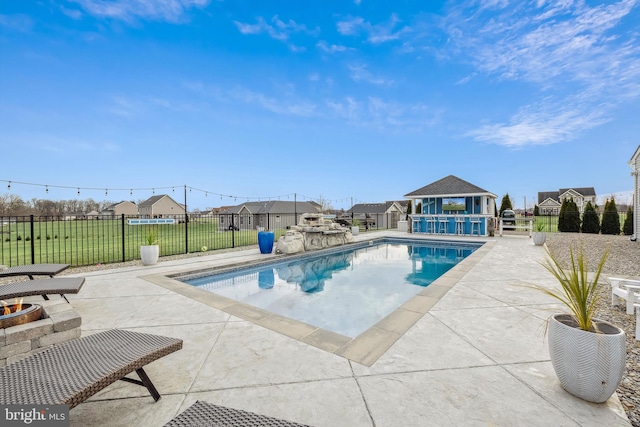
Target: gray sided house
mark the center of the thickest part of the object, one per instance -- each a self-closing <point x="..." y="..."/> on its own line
<point x="634" y="163"/>
<point x="161" y="206"/>
<point x="120" y="208"/>
<point x="269" y="215"/>
<point x="378" y="215"/>
<point x="549" y="202"/>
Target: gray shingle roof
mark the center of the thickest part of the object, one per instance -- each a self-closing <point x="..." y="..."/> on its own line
<point x="152" y="200"/>
<point x="544" y="195"/>
<point x="372" y="208"/>
<point x="585" y="191"/>
<point x="274" y="206"/>
<point x="449" y="185"/>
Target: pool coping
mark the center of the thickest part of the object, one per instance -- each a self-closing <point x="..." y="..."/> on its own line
<point x="367" y="347"/>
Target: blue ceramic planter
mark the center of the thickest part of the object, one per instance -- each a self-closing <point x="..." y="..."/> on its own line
<point x="265" y="241"/>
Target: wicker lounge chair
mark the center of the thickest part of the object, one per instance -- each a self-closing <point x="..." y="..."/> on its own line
<point x="70" y="373"/>
<point x="206" y="414"/>
<point x="34" y="270"/>
<point x="44" y="287"/>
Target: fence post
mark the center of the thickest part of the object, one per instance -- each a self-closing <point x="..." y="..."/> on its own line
<point x="233" y="231"/>
<point x="123" y="238"/>
<point x="33" y="244"/>
<point x="186" y="233"/>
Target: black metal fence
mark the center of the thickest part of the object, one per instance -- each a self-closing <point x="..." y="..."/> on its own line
<point x="110" y="239"/>
<point x="548" y="222"/>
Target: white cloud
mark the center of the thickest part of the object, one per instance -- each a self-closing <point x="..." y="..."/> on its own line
<point x="129" y="10"/>
<point x="565" y="47"/>
<point x="277" y="30"/>
<point x="285" y="105"/>
<point x="71" y="13"/>
<point x="16" y="22"/>
<point x="386" y="116"/>
<point x="331" y="48"/>
<point x="361" y="73"/>
<point x="351" y="26"/>
<point x="378" y="33"/>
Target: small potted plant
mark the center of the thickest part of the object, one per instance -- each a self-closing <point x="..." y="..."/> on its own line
<point x="587" y="354"/>
<point x="355" y="226"/>
<point x="539" y="236"/>
<point x="150" y="252"/>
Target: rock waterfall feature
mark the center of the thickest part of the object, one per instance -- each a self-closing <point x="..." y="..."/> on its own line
<point x="313" y="232"/>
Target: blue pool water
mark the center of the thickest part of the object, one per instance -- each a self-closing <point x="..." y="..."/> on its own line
<point x="344" y="291"/>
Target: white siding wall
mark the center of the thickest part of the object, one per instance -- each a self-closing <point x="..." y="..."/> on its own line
<point x="636" y="199"/>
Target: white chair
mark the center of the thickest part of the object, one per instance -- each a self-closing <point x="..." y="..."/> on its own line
<point x="626" y="289"/>
<point x="637" y="306"/>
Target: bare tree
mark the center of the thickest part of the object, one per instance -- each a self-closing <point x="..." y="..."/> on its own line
<point x="325" y="204"/>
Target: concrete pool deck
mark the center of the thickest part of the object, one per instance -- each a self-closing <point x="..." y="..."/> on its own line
<point x="471" y="353"/>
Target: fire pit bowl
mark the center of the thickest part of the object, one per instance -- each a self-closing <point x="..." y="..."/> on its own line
<point x="28" y="313"/>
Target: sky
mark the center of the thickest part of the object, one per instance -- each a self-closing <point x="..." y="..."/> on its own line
<point x="346" y="102"/>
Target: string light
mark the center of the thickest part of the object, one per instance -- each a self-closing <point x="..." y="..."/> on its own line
<point x="191" y="190"/>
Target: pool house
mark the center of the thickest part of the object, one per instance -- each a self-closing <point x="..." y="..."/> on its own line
<point x="451" y="206"/>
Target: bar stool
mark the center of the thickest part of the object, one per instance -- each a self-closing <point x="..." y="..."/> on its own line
<point x="443" y="223"/>
<point x="475" y="221"/>
<point x="431" y="225"/>
<point x="459" y="225"/>
<point x="415" y="221"/>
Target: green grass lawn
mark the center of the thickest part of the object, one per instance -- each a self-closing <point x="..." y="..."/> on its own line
<point x="89" y="242"/>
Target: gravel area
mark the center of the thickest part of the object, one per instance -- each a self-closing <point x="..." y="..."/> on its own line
<point x="623" y="261"/>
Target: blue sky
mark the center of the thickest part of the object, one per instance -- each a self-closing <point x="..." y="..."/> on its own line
<point x="361" y="101"/>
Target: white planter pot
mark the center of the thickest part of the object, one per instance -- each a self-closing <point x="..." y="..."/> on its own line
<point x="355" y="230"/>
<point x="149" y="254"/>
<point x="402" y="225"/>
<point x="539" y="238"/>
<point x="589" y="365"/>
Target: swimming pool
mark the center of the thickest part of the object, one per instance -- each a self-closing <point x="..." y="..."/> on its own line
<point x="343" y="290"/>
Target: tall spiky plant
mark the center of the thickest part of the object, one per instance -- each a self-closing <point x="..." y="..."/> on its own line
<point x="576" y="291"/>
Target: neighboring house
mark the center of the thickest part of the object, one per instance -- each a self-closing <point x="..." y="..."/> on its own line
<point x="94" y="214"/>
<point x="72" y="216"/>
<point x="269" y="215"/>
<point x="124" y="207"/>
<point x="448" y="199"/>
<point x="549" y="202"/>
<point x="161" y="206"/>
<point x="634" y="163"/>
<point x="378" y="215"/>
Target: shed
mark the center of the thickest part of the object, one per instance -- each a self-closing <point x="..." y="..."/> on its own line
<point x="272" y="214"/>
<point x="378" y="215"/>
